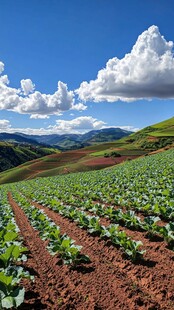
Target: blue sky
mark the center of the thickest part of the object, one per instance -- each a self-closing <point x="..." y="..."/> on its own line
<point x="46" y="41"/>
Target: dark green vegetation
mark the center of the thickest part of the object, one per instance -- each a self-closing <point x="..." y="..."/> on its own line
<point x="14" y="154"/>
<point x="16" y="149"/>
<point x="112" y="154"/>
<point x="151" y="138"/>
<point x="16" y="138"/>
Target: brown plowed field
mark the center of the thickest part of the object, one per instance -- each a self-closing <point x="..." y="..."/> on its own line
<point x="110" y="281"/>
<point x="107" y="161"/>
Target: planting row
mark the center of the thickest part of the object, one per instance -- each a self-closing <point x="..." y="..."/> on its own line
<point x="12" y="253"/>
<point x="58" y="243"/>
<point x="128" y="218"/>
<point x="93" y="226"/>
<point x="145" y="184"/>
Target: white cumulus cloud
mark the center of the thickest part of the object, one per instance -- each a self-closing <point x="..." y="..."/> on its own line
<point x="77" y="125"/>
<point x="38" y="116"/>
<point x="26" y="100"/>
<point x="27" y="86"/>
<point x="4" y="124"/>
<point x="82" y="123"/>
<point x="128" y="127"/>
<point x="146" y="72"/>
<point x="1" y="67"/>
<point x="79" y="107"/>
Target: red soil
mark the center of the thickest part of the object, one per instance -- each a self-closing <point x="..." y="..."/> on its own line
<point x="153" y="139"/>
<point x="107" y="161"/>
<point x="109" y="282"/>
<point x="70" y="154"/>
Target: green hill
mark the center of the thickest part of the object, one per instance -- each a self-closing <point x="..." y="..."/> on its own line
<point x="153" y="137"/>
<point x="14" y="154"/>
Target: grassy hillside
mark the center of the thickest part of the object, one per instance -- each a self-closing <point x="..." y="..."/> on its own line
<point x="14" y="154"/>
<point x="144" y="141"/>
<point x="155" y="136"/>
<point x="62" y="163"/>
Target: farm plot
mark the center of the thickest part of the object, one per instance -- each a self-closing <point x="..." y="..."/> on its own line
<point x="124" y="220"/>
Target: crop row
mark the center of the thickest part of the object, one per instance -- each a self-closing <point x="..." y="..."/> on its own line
<point x="128" y="218"/>
<point x="48" y="230"/>
<point x="12" y="253"/>
<point x="145" y="184"/>
<point x="93" y="226"/>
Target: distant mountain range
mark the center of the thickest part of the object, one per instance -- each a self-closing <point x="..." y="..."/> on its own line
<point x="76" y="141"/>
<point x="17" y="148"/>
<point x="17" y="138"/>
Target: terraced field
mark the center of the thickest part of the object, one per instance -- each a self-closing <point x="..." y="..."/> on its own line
<point x="99" y="240"/>
<point x="62" y="163"/>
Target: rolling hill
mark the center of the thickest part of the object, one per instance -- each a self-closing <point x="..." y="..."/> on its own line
<point x="157" y="137"/>
<point x="17" y="148"/>
<point x="14" y="154"/>
<point x="16" y="138"/>
<point x="62" y="163"/>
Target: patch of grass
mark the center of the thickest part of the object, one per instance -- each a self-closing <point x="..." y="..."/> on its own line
<point x="100" y="153"/>
<point x="15" y="175"/>
<point x="126" y="152"/>
<point x="167" y="123"/>
<point x="163" y="133"/>
<point x="136" y="152"/>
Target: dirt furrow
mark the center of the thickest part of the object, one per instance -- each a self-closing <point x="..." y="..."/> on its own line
<point x="52" y="288"/>
<point x="159" y="283"/>
<point x="110" y="278"/>
<point x="157" y="248"/>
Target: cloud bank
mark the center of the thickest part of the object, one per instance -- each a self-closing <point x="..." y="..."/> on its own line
<point x="27" y="86"/>
<point x="146" y="72"/>
<point x="82" y="123"/>
<point x="77" y="125"/>
<point x="26" y="100"/>
<point x="4" y="125"/>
